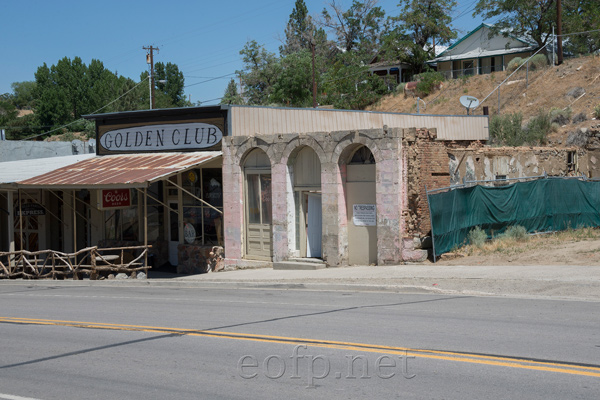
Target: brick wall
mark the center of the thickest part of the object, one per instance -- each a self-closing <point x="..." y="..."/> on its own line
<point x="427" y="167"/>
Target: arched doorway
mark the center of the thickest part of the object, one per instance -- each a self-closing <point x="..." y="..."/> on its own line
<point x="306" y="178"/>
<point x="258" y="207"/>
<point x="361" y="208"/>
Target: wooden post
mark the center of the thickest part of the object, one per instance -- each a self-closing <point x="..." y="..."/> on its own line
<point x="20" y="220"/>
<point x="74" y="224"/>
<point x="146" y="230"/>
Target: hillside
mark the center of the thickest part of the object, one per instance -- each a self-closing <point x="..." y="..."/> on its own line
<point x="549" y="88"/>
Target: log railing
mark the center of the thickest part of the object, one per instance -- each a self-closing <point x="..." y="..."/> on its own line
<point x="90" y="261"/>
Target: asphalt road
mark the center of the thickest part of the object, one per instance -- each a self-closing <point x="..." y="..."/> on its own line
<point x="153" y="342"/>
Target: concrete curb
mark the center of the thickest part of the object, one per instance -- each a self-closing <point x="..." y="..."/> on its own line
<point x="568" y="290"/>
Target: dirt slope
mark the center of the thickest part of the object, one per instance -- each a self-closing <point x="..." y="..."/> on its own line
<point x="547" y="89"/>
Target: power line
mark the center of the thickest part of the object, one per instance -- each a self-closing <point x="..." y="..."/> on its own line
<point x="95" y="112"/>
<point x="208" y="80"/>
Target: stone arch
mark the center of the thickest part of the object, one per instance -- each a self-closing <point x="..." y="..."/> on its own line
<point x="245" y="149"/>
<point x="345" y="148"/>
<point x="296" y="144"/>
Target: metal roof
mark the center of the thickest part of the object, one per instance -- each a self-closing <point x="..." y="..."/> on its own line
<point x="482" y="54"/>
<point x="14" y="171"/>
<point x="128" y="170"/>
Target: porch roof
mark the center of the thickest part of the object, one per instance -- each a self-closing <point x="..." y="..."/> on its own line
<point x="478" y="53"/>
<point x="15" y="171"/>
<point x="121" y="170"/>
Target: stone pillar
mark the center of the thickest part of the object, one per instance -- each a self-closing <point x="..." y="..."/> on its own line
<point x="233" y="206"/>
<point x="389" y="196"/>
<point x="280" y="212"/>
<point x="332" y="192"/>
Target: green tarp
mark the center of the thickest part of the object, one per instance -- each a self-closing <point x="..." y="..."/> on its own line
<point x="540" y="206"/>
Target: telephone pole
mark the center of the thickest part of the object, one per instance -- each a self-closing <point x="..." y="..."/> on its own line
<point x="559" y="47"/>
<point x="150" y="60"/>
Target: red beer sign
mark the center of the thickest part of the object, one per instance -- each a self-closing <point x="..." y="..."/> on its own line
<point x="116" y="198"/>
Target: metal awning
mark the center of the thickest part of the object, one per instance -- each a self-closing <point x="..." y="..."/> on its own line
<point x="121" y="170"/>
<point x="15" y="171"/>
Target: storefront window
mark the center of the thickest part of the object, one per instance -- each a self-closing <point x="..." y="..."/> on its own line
<point x="203" y="224"/>
<point x="155" y="212"/>
<point x="123" y="224"/>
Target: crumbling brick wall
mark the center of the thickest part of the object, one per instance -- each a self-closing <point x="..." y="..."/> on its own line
<point x="426" y="163"/>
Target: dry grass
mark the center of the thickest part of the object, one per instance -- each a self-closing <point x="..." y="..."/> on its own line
<point x="547" y="90"/>
<point x="510" y="246"/>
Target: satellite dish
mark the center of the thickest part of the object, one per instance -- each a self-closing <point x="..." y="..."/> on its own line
<point x="469" y="102"/>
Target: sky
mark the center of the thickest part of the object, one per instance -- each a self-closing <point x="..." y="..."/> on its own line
<point x="202" y="37"/>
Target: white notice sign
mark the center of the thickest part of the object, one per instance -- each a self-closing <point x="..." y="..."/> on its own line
<point x="364" y="214"/>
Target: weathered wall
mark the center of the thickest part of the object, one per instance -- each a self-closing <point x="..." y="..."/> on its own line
<point x="14" y="150"/>
<point x="434" y="164"/>
<point x="488" y="163"/>
<point x="333" y="150"/>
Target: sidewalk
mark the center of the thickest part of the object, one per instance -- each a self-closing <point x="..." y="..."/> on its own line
<point x="539" y="281"/>
<point x="568" y="282"/>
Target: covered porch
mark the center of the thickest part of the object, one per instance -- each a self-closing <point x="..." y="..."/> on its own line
<point x="122" y="213"/>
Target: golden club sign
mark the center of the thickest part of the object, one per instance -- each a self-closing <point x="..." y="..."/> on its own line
<point x="186" y="136"/>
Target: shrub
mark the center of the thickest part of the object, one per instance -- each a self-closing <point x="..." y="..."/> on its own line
<point x="429" y="81"/>
<point x="400" y="87"/>
<point x="506" y="129"/>
<point x="536" y="131"/>
<point x="477" y="237"/>
<point x="538" y="61"/>
<point x="560" y="116"/>
<point x="514" y="64"/>
<point x="597" y="112"/>
<point x="516" y="232"/>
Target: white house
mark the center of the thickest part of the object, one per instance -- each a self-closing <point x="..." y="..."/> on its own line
<point x="481" y="52"/>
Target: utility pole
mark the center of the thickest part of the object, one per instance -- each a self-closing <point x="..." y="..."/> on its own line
<point x="150" y="60"/>
<point x="559" y="31"/>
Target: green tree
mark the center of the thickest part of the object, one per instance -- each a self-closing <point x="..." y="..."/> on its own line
<point x="412" y="33"/>
<point x="293" y="87"/>
<point x="261" y="71"/>
<point x="231" y="95"/>
<point x="349" y="85"/>
<point x="23" y="94"/>
<point x="581" y="16"/>
<point x="172" y="87"/>
<point x="521" y="18"/>
<point x="426" y="20"/>
<point x="356" y="29"/>
<point x="53" y="104"/>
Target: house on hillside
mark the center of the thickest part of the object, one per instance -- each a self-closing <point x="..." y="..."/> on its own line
<point x="392" y="72"/>
<point x="481" y="52"/>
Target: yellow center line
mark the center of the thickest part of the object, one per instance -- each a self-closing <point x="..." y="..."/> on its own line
<point x="511" y="362"/>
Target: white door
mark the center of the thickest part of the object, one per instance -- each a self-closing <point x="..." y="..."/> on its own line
<point x="173" y="234"/>
<point x="314" y="226"/>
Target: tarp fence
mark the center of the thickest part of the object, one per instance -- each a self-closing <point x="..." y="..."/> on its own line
<point x="542" y="205"/>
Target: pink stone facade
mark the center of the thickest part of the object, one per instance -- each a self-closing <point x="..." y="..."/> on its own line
<point x="334" y="150"/>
